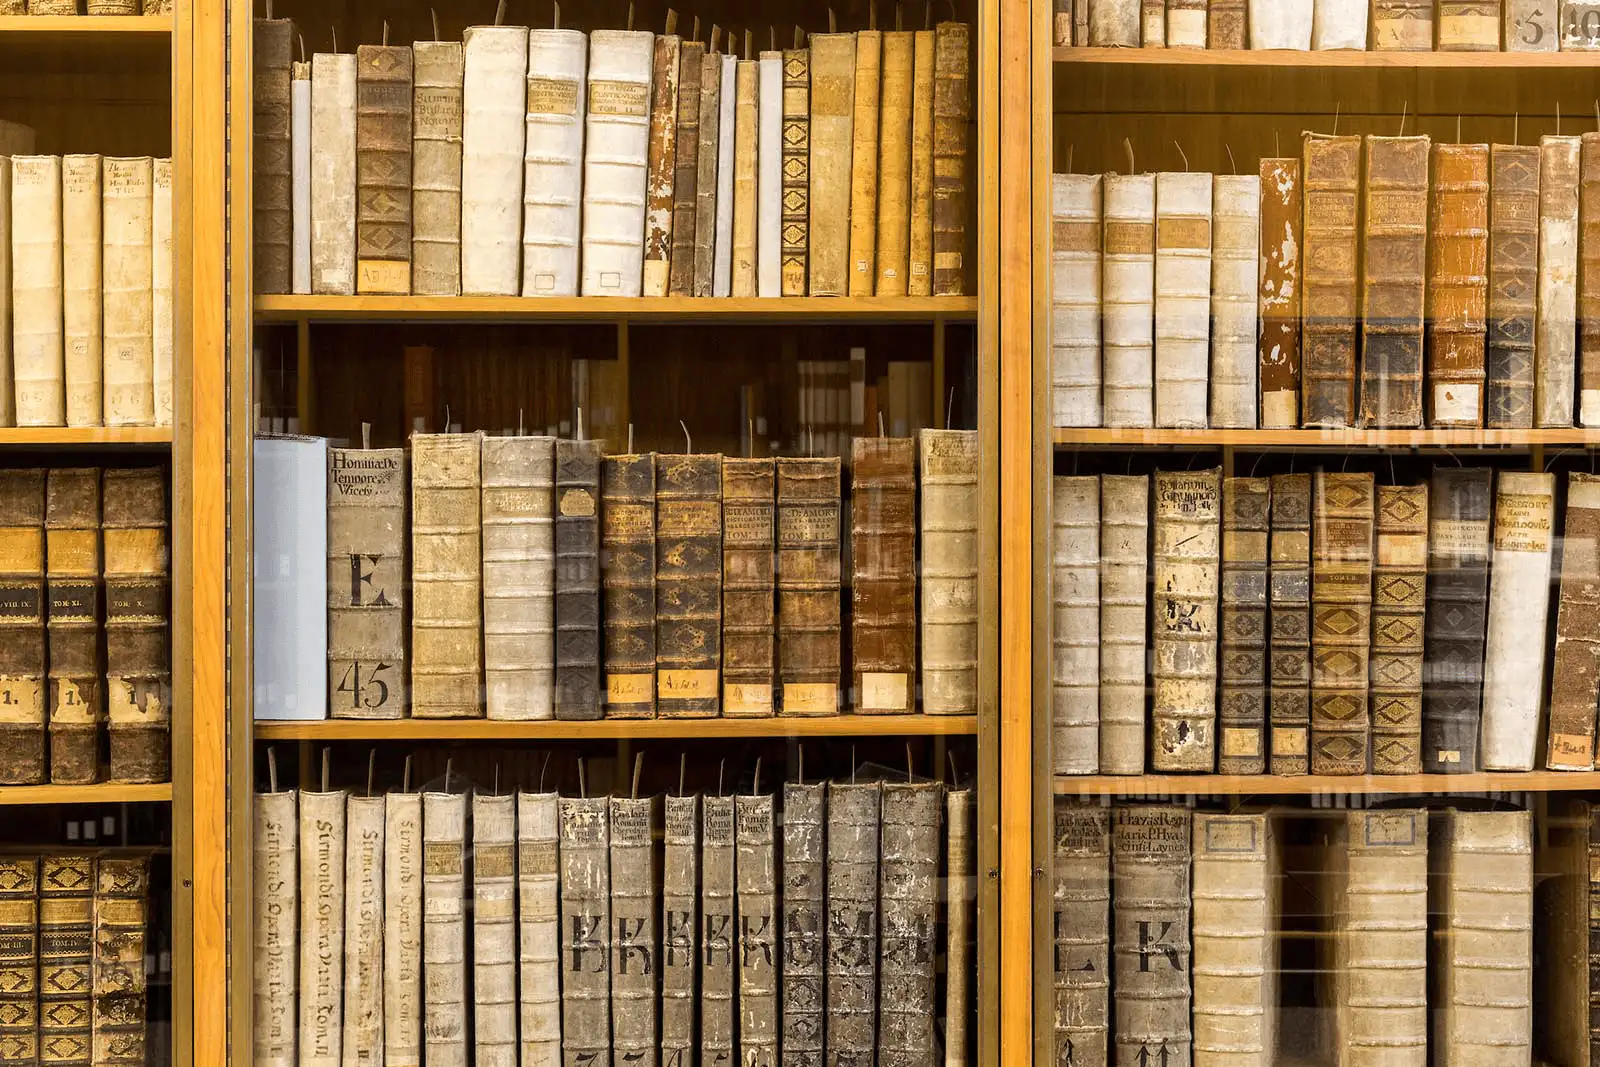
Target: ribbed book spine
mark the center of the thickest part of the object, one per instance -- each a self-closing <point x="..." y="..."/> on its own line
<point x="1236" y="872"/>
<point x="908" y="884"/>
<point x="1075" y="237"/>
<point x="436" y="109"/>
<point x="519" y="576"/>
<point x="688" y="591"/>
<point x="958" y="924"/>
<point x="1513" y="284"/>
<point x="1128" y="304"/>
<point x="272" y="51"/>
<point x="1457" y="609"/>
<point x="718" y="936"/>
<point x="122" y="884"/>
<point x="756" y="886"/>
<point x="66" y="959"/>
<point x="796" y="171"/>
<point x="1236" y="225"/>
<point x="617" y="137"/>
<point x="1183" y="297"/>
<point x="1289" y="655"/>
<point x="746" y="120"/>
<point x="19" y="968"/>
<point x="1574" y="685"/>
<point x="1341" y="622"/>
<point x="685" y="170"/>
<point x="37" y="291"/>
<point x="920" y="249"/>
<point x="363" y="924"/>
<point x="635" y="964"/>
<point x="1330" y="301"/>
<point x="1557" y="308"/>
<point x="1399" y="584"/>
<point x="585" y="930"/>
<point x="853" y="847"/>
<point x="1394" y="254"/>
<point x="1519" y="600"/>
<point x="628" y="538"/>
<point x="552" y="162"/>
<point x="23" y="699"/>
<point x="872" y="85"/>
<point x="808" y="585"/>
<point x="951" y="110"/>
<point x="495" y="105"/>
<point x="577" y="598"/>
<point x="138" y="651"/>
<point x="447" y="586"/>
<point x="893" y="170"/>
<point x="1402" y="25"/>
<point x="680" y="929"/>
<point x="1246" y="509"/>
<point x="402" y="929"/>
<point x="161" y="281"/>
<point x="1278" y="344"/>
<point x="494" y="938"/>
<point x="1124" y="563"/>
<point x="538" y="930"/>
<point x="82" y="284"/>
<point x="333" y="174"/>
<point x="1184" y="619"/>
<point x="274" y="873"/>
<point x="1380" y="936"/>
<point x="1080" y="925"/>
<point x="1075" y="627"/>
<point x="662" y="158"/>
<point x="72" y="585"/>
<point x="804" y="838"/>
<point x="949" y="586"/>
<point x="322" y="890"/>
<point x="749" y="605"/>
<point x="383" y="168"/>
<point x="883" y="537"/>
<point x="1150" y="932"/>
<point x="444" y="945"/>
<point x="1458" y="284"/>
<point x="129" y="353"/>
<point x="833" y="61"/>
<point x="769" y="175"/>
<point x="1589" y="281"/>
<point x="1469" y="26"/>
<point x="300" y="176"/>
<point x="367" y="674"/>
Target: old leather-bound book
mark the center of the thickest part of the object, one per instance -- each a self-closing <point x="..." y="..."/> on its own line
<point x="616" y="145"/>
<point x="769" y="174"/>
<point x="138" y="656"/>
<point x="1150" y="931"/>
<point x="661" y="159"/>
<point x="1330" y="309"/>
<point x="1531" y="26"/>
<point x="718" y="935"/>
<point x="518" y="576"/>
<point x="551" y="176"/>
<point x="920" y="249"/>
<point x="444" y="944"/>
<point x="1341" y="624"/>
<point x="333" y="174"/>
<point x="1186" y="551"/>
<point x="1113" y="24"/>
<point x="1075" y="234"/>
<point x="496" y="104"/>
<point x="322" y="891"/>
<point x="1458" y="284"/>
<point x="436" y="168"/>
<point x="36" y="291"/>
<point x="1225" y="24"/>
<point x="367" y="676"/>
<point x="746" y="122"/>
<point x="1555" y="360"/>
<point x="635" y="913"/>
<point x="82" y="285"/>
<point x="272" y="44"/>
<point x="1278" y="347"/>
<point x="680" y="929"/>
<point x="1513" y="280"/>
<point x="122" y="884"/>
<point x="19" y="966"/>
<point x="1236" y="889"/>
<point x="1519" y="601"/>
<point x="1339" y="24"/>
<point x="1457" y="605"/>
<point x="705" y="183"/>
<point x="958" y="923"/>
<point x="274" y="873"/>
<point x="1246" y="509"/>
<point x="383" y="168"/>
<point x="1574" y="683"/>
<point x="1183" y="297"/>
<point x="893" y="216"/>
<point x="577" y="523"/>
<point x="1081" y="930"/>
<point x="1153" y="23"/>
<point x="72" y="575"/>
<point x="949" y="590"/>
<point x="161" y="280"/>
<point x="300" y="175"/>
<point x="756" y="887"/>
<point x="1589" y="281"/>
<point x="22" y="627"/>
<point x="1075" y="629"/>
<point x="1128" y="305"/>
<point x="685" y="170"/>
<point x="538" y="929"/>
<point x="447" y="583"/>
<point x="804" y="837"/>
<point x="833" y="62"/>
<point x="402" y="929"/>
<point x="1469" y="25"/>
<point x="1393" y="255"/>
<point x="852" y="919"/>
<point x="364" y="914"/>
<point x="1399" y="582"/>
<point x="951" y="109"/>
<point x="749" y="605"/>
<point x="1289" y="653"/>
<point x="808" y="585"/>
<point x="1186" y="23"/>
<point x="872" y="85"/>
<point x="129" y="352"/>
<point x="908" y="894"/>
<point x="1402" y="25"/>
<point x="66" y="958"/>
<point x="688" y="585"/>
<point x="628" y="543"/>
<point x="1236" y="222"/>
<point x="883" y="541"/>
<point x="1124" y="560"/>
<point x="722" y="269"/>
<point x="796" y="170"/>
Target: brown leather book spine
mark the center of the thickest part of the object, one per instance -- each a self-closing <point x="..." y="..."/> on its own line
<point x="72" y="577"/>
<point x="894" y="170"/>
<point x="1225" y="24"/>
<point x="1402" y="25"/>
<point x="688" y="585"/>
<point x="705" y="182"/>
<point x="22" y="628"/>
<point x="796" y="170"/>
<point x="1574" y="682"/>
<point x="1460" y="502"/>
<point x="686" y="170"/>
<point x="1289" y="659"/>
<point x="661" y="161"/>
<point x="1341" y="622"/>
<point x="138" y="612"/>
<point x="951" y="110"/>
<point x="272" y="181"/>
<point x="66" y="960"/>
<point x="577" y="580"/>
<point x="1469" y="25"/>
<point x="1399" y="590"/>
<point x="383" y="169"/>
<point x="883" y="590"/>
<point x="1246" y="509"/>
<point x="749" y="605"/>
<point x="1458" y="284"/>
<point x="1513" y="284"/>
<point x="1394" y="255"/>
<point x="19" y="958"/>
<point x="808" y="585"/>
<point x="628" y="583"/>
<point x="1589" y="281"/>
<point x="1330" y="304"/>
<point x="1281" y="270"/>
<point x="864" y="175"/>
<point x="833" y="73"/>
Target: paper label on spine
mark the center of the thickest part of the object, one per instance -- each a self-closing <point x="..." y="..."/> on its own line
<point x="1240" y="742"/>
<point x="1522" y="522"/>
<point x="1571" y="750"/>
<point x="391" y="276"/>
<point x="1456" y="402"/>
<point x="687" y="685"/>
<point x="1288" y="740"/>
<point x="746" y="699"/>
<point x="629" y="688"/>
<point x="884" y="691"/>
<point x="619" y="98"/>
<point x="21" y="700"/>
<point x="552" y="96"/>
<point x="810" y="698"/>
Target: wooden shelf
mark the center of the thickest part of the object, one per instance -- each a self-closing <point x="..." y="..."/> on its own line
<point x="1586" y="437"/>
<point x="1229" y="785"/>
<point x="37" y="27"/>
<point x="614" y="309"/>
<point x="85" y="436"/>
<point x="1199" y="57"/>
<point x="615" y="729"/>
<point x="101" y="793"/>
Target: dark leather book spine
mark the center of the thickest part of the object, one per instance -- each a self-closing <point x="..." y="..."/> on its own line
<point x="1225" y="24"/>
<point x="19" y="961"/>
<point x="66" y="960"/>
<point x="796" y="217"/>
<point x="121" y="936"/>
<point x="749" y="604"/>
<point x="854" y="846"/>
<point x="951" y="110"/>
<point x="1457" y="617"/>
<point x="628" y="576"/>
<point x="1592" y="895"/>
<point x="22" y="628"/>
<point x="1331" y="302"/>
<point x="689" y="585"/>
<point x="72" y="576"/>
<point x="1289" y="658"/>
<point x="804" y="872"/>
<point x="271" y="183"/>
<point x="1513" y="284"/>
<point x="138" y="656"/>
<point x="1394" y="255"/>
<point x="383" y="169"/>
<point x="1278" y="347"/>
<point x="577" y="580"/>
<point x="686" y="170"/>
<point x="883" y="588"/>
<point x="1458" y="284"/>
<point x="705" y="183"/>
<point x="1246" y="509"/>
<point x="1574" y="683"/>
<point x="1341" y="622"/>
<point x="808" y="585"/>
<point x="1399" y="582"/>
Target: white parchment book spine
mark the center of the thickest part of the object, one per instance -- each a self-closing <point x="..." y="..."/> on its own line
<point x="494" y="938"/>
<point x="402" y="930"/>
<point x="1124" y="567"/>
<point x="364" y="930"/>
<point x="161" y="289"/>
<point x="1128" y="307"/>
<point x="1075" y="229"/>
<point x="614" y="161"/>
<point x="769" y="176"/>
<point x="436" y="142"/>
<point x="1113" y="23"/>
<point x="322" y="885"/>
<point x="552" y="198"/>
<point x="129" y="367"/>
<point x="8" y="411"/>
<point x="1339" y="24"/>
<point x="722" y="268"/>
<point x="444" y="939"/>
<point x="1282" y="24"/>
<point x="81" y="287"/>
<point x="275" y="873"/>
<point x="538" y="933"/>
<point x="1519" y="602"/>
<point x="493" y="119"/>
<point x="1555" y="342"/>
<point x="333" y="174"/>
<point x="1235" y="248"/>
<point x="1183" y="297"/>
<point x="1075" y="663"/>
<point x="36" y="293"/>
<point x="519" y="577"/>
<point x="300" y="177"/>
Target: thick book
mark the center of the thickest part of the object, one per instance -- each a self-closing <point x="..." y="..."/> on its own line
<point x="1186" y="554"/>
<point x="872" y="86"/>
<point x="1458" y="284"/>
<point x="1128" y="303"/>
<point x="1236" y="225"/>
<point x="1394" y="257"/>
<point x="1183" y="297"/>
<point x="1399" y="585"/>
<point x="137" y="612"/>
<point x="893" y="170"/>
<point x="1340" y="24"/>
<point x="1289" y="644"/>
<point x="275" y="937"/>
<point x="272" y="50"/>
<point x="749" y="587"/>
<point x="82" y="285"/>
<point x="300" y="176"/>
<point x="1075" y="624"/>
<point x="615" y="156"/>
<point x="7" y="398"/>
<point x="444" y="939"/>
<point x="722" y="253"/>
<point x="495" y="106"/>
<point x="1113" y="24"/>
<point x="628" y="541"/>
<point x="1080" y="929"/>
<point x="364" y="917"/>
<point x="1330" y="309"/>
<point x="1242" y="715"/>
<point x="36" y="292"/>
<point x="756" y="889"/>
<point x="1342" y="513"/>
<point x="1402" y="25"/>
<point x="809" y="573"/>
<point x="952" y="108"/>
<point x="384" y="76"/>
<point x="322" y="892"/>
<point x="718" y="935"/>
<point x="1574" y="683"/>
<point x="494" y="931"/>
<point x="1459" y="503"/>
<point x="552" y="162"/>
<point x="1075" y="238"/>
<point x="854" y="845"/>
<point x="1236" y="889"/>
<point x="290" y="548"/>
<point x="635" y="963"/>
<point x="1589" y="281"/>
<point x="688" y="585"/>
<point x="446" y="579"/>
<point x="1519" y="602"/>
<point x="833" y="63"/>
<point x="883" y="587"/>
<point x="1150" y="932"/>
<point x="367" y="675"/>
<point x="769" y="174"/>
<point x="680" y="928"/>
<point x="19" y="969"/>
<point x="958" y="924"/>
<point x="128" y="340"/>
<point x="920" y="249"/>
<point x="1278" y="344"/>
<point x="948" y="609"/>
<point x="1186" y="23"/>
<point x="796" y="217"/>
<point x="746" y="120"/>
<point x="538" y="930"/>
<point x="660" y="161"/>
<point x="162" y="278"/>
<point x="73" y="622"/>
<point x="1469" y="26"/>
<point x="66" y="959"/>
<point x="402" y="929"/>
<point x="705" y="182"/>
<point x="121" y="887"/>
<point x="685" y="170"/>
<point x="1225" y="24"/>
<point x="804" y="869"/>
<point x="333" y="174"/>
<point x="908" y="896"/>
<point x="1513" y="285"/>
<point x="1124" y="569"/>
<point x="1555" y="323"/>
<point x="1531" y="26"/>
<point x="577" y="589"/>
<point x="436" y="130"/>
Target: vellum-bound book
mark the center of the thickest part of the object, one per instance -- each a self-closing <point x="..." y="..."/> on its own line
<point x="129" y="373"/>
<point x="893" y="173"/>
<point x="585" y="930"/>
<point x="383" y="168"/>
<point x="1339" y="24"/>
<point x="447" y="585"/>
<point x="628" y="540"/>
<point x="872" y="82"/>
<point x="1394" y="258"/>
<point x="1399" y="586"/>
<point x="1124" y="560"/>
<point x="1236" y="887"/>
<point x="36" y="291"/>
<point x="908" y="895"/>
<point x="1281" y="24"/>
<point x="833" y="61"/>
<point x="1402" y="25"/>
<point x="1519" y="601"/>
<point x="1574" y="682"/>
<point x="853" y="847"/>
<point x="1183" y="297"/>
<point x="1184" y="619"/>
<point x="1555" y="326"/>
<point x="718" y="935"/>
<point x="635" y="961"/>
<point x="1289" y="655"/>
<point x="444" y="933"/>
<point x="1235" y="237"/>
<point x="1589" y="281"/>
<point x="1081" y="928"/>
<point x="300" y="177"/>
<point x="553" y="162"/>
<point x="883" y="538"/>
<point x="804" y="837"/>
<point x="1150" y="932"/>
<point x="617" y="141"/>
<point x="769" y="174"/>
<point x="538" y="930"/>
<point x="662" y="158"/>
<point x="8" y="415"/>
<point x="81" y="287"/>
<point x="680" y="928"/>
<point x="1341" y="624"/>
<point x="1458" y="284"/>
<point x="333" y="174"/>
<point x="494" y="931"/>
<point x="161" y="289"/>
<point x="1531" y="26"/>
<point x="1128" y="304"/>
<point x="519" y="556"/>
<point x="746" y="118"/>
<point x="1113" y="24"/>
<point x="495" y="107"/>
<point x="1153" y="23"/>
<point x="1075" y="239"/>
<point x="949" y="588"/>
<point x="436" y="131"/>
<point x="756" y="888"/>
<point x="402" y="929"/>
<point x="322" y="929"/>
<point x="1513" y="285"/>
<point x="1246" y="508"/>
<point x="1330" y="301"/>
<point x="367" y="669"/>
<point x="722" y="246"/>
<point x="275" y="876"/>
<point x="1459" y="502"/>
<point x="706" y="192"/>
<point x="363" y="926"/>
<point x="1075" y="608"/>
<point x="1278" y="346"/>
<point x="749" y="607"/>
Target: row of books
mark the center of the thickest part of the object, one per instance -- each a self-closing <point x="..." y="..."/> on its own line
<point x="85" y="291"/>
<point x="1282" y="298"/>
<point x="549" y="581"/>
<point x="838" y="402"/>
<point x="1166" y="937"/>
<point x="1323" y="623"/>
<point x="90" y="7"/>
<point x="548" y="162"/>
<point x="73" y="933"/>
<point x="578" y="938"/>
<point x="85" y="663"/>
<point x="1381" y="25"/>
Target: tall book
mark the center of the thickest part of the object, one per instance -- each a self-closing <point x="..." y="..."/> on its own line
<point x="577" y="596"/>
<point x="129" y="352"/>
<point x="272" y="50"/>
<point x="66" y="958"/>
<point x="874" y="52"/>
<point x="688" y="585"/>
<point x="685" y="170"/>
<point x="1457" y="609"/>
<point x="769" y="174"/>
<point x="538" y="929"/>
<point x="680" y="928"/>
<point x="1236" y="880"/>
<point x="1402" y="25"/>
<point x="275" y="938"/>
<point x="161" y="282"/>
<point x="804" y="869"/>
<point x="1186" y="551"/>
<point x="436" y="131"/>
<point x="447" y="583"/>
<point x="364" y="915"/>
<point x="585" y="930"/>
<point x="705" y="182"/>
<point x="1150" y="932"/>
<point x="1589" y="281"/>
<point x="718" y="935"/>
<point x="496" y="102"/>
<point x="1183" y="297"/>
<point x="1519" y="601"/>
<point x="1330" y="309"/>
<point x="628" y="538"/>
<point x="1075" y="239"/>
<point x="402" y="929"/>
<point x="1128" y="304"/>
<point x="1246" y="510"/>
<point x="893" y="171"/>
<point x="367" y="675"/>
<point x="1075" y="625"/>
<point x="1393" y="255"/>
<point x="1469" y="26"/>
<point x="746" y="165"/>
<point x="635" y="962"/>
<point x="23" y="689"/>
<point x="920" y="249"/>
<point x="36" y="291"/>
<point x="908" y="885"/>
<point x="300" y="176"/>
<point x="122" y="884"/>
<point x="1186" y="23"/>
<point x="1124" y="561"/>
<point x="1574" y="684"/>
<point x="8" y="414"/>
<point x="1458" y="284"/>
<point x="948" y="475"/>
<point x="854" y="812"/>
<point x="833" y="61"/>
<point x="1289" y="651"/>
<point x="951" y="111"/>
<point x="322" y="889"/>
<point x="1278" y="345"/>
<point x="660" y="161"/>
<point x="494" y="931"/>
<point x="138" y="653"/>
<point x="1341" y="622"/>
<point x="749" y="577"/>
<point x="333" y="174"/>
<point x="1555" y="369"/>
<point x="722" y="262"/>
<point x="383" y="168"/>
<point x="1399" y="584"/>
<point x="444" y="944"/>
<point x="19" y="966"/>
<point x="552" y="162"/>
<point x="796" y="217"/>
<point x="1513" y="285"/>
<point x="883" y="538"/>
<point x="1114" y="24"/>
<point x="616" y="146"/>
<point x="808" y="585"/>
<point x="756" y="887"/>
<point x="1236" y="221"/>
<point x="82" y="286"/>
<point x="1080" y="925"/>
<point x="72" y="622"/>
<point x="958" y="924"/>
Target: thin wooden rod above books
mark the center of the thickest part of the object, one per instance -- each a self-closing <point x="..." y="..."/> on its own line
<point x="1182" y="57"/>
<point x="613" y="729"/>
<point x="613" y="309"/>
<point x="1580" y="437"/>
<point x="1241" y="785"/>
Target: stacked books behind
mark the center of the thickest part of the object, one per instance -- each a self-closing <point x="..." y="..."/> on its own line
<point x="92" y="7"/>
<point x="549" y="162"/>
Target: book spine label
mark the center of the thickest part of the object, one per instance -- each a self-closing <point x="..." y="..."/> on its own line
<point x="577" y="599"/>
<point x="1075" y="237"/>
<point x="1236" y="236"/>
<point x="756" y="886"/>
<point x="660" y="162"/>
<point x="951" y="111"/>
<point x="366" y="583"/>
<point x="447" y="584"/>
<point x="635" y="963"/>
<point x="949" y="589"/>
<point x="551" y="178"/>
<point x="616" y="147"/>
<point x="1080" y="925"/>
<point x="1124" y="563"/>
<point x="1458" y="285"/>
<point x="796" y="171"/>
<point x="138" y="653"/>
<point x="322" y="893"/>
<point x="1399" y="584"/>
<point x="363" y="925"/>
<point x="749" y="607"/>
<point x="746" y="121"/>
<point x="852" y="920"/>
<point x="494" y="117"/>
<point x="1574" y="687"/>
<point x="688" y="584"/>
<point x="1075" y="631"/>
<point x="436" y="109"/>
<point x="272" y="42"/>
<point x="402" y="929"/>
<point x="1330" y="310"/>
<point x="275" y="877"/>
<point x="1128" y="307"/>
<point x="808" y="585"/>
<point x="833" y="62"/>
<point x="1513" y="284"/>
<point x="1393" y="254"/>
<point x="718" y="935"/>
<point x="893" y="174"/>
<point x="72" y="586"/>
<point x="883" y="621"/>
<point x="37" y="294"/>
<point x="333" y="174"/>
<point x="494" y="939"/>
<point x="1184" y="619"/>
<point x="1150" y="930"/>
<point x="1246" y="508"/>
<point x="685" y="170"/>
<point x="628" y="491"/>
<point x="519" y="576"/>
<point x="908" y="883"/>
<point x="769" y="175"/>
<point x="1235" y="954"/>
<point x="1458" y="590"/>
<point x="539" y="928"/>
<point x="1469" y="25"/>
<point x="1289" y="655"/>
<point x="875" y="51"/>
<point x="920" y="250"/>
<point x="680" y="929"/>
<point x="1513" y="669"/>
<point x="82" y="284"/>
<point x="383" y="168"/>
<point x="1556" y="321"/>
<point x="1341" y="623"/>
<point x="804" y="834"/>
<point x="1278" y="346"/>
